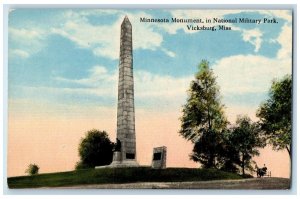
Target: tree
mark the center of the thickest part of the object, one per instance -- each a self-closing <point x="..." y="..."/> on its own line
<point x="229" y="157"/>
<point x="208" y="150"/>
<point x="203" y="117"/>
<point x="95" y="149"/>
<point x="245" y="137"/>
<point x="32" y="169"/>
<point x="275" y="114"/>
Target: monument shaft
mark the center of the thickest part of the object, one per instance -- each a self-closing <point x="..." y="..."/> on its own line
<point x="125" y="113"/>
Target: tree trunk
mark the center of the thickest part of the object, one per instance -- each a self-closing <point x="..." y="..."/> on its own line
<point x="290" y="154"/>
<point x="243" y="164"/>
<point x="289" y="151"/>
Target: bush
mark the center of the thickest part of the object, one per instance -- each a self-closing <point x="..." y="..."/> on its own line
<point x="80" y="165"/>
<point x="95" y="149"/>
<point x="32" y="169"/>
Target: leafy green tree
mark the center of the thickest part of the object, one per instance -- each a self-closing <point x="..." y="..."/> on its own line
<point x="275" y="114"/>
<point x="32" y="169"/>
<point x="246" y="138"/>
<point x="207" y="150"/>
<point x="229" y="157"/>
<point x="95" y="149"/>
<point x="203" y="117"/>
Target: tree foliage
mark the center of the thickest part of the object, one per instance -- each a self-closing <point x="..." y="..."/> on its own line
<point x="246" y="139"/>
<point x="207" y="150"/>
<point x="32" y="169"/>
<point x="203" y="117"/>
<point x="95" y="149"/>
<point x="275" y="114"/>
<point x="229" y="158"/>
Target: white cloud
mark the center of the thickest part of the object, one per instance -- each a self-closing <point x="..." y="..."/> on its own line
<point x="279" y="14"/>
<point x="19" y="53"/>
<point x="25" y="33"/>
<point x="85" y="35"/>
<point x="253" y="36"/>
<point x="161" y="91"/>
<point x="168" y="52"/>
<point x="26" y="41"/>
<point x="99" y="83"/>
<point x="147" y="85"/>
<point x="36" y="90"/>
<point x="285" y="40"/>
<point x="242" y="74"/>
<point x="165" y="87"/>
<point x="103" y="40"/>
<point x="251" y="74"/>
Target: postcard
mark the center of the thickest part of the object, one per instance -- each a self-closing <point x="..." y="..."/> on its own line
<point x="149" y="98"/>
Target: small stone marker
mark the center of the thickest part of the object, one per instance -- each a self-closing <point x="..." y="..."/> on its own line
<point x="159" y="157"/>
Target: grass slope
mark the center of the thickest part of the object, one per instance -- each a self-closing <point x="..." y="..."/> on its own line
<point x="118" y="175"/>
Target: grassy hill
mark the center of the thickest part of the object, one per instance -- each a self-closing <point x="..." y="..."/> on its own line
<point x="118" y="175"/>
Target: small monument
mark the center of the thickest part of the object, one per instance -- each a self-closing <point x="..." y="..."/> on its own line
<point x="159" y="157"/>
<point x="125" y="149"/>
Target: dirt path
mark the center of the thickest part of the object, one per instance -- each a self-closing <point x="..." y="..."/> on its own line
<point x="253" y="183"/>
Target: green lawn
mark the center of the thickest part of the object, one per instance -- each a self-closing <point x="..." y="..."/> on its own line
<point x="118" y="175"/>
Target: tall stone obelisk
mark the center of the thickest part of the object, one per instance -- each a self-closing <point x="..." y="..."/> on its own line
<point x="125" y="114"/>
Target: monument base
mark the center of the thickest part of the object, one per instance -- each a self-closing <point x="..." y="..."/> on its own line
<point x="123" y="164"/>
<point x="118" y="163"/>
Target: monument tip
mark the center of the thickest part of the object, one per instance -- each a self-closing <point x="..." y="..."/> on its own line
<point x="126" y="20"/>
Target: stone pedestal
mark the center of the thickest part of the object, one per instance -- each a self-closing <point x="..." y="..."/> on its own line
<point x="159" y="158"/>
<point x="118" y="163"/>
<point x="117" y="157"/>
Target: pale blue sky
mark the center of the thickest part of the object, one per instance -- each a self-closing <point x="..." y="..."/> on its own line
<point x="70" y="56"/>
